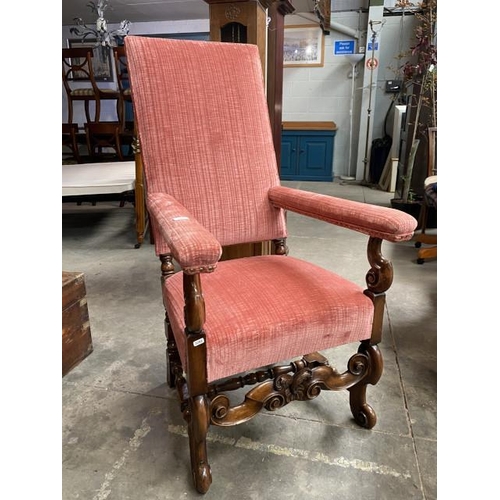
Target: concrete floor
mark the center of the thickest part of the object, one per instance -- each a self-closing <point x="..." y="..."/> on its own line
<point x="123" y="434"/>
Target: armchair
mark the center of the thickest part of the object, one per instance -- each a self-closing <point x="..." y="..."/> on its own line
<point x="212" y="180"/>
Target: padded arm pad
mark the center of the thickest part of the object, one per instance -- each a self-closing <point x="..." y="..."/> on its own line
<point x="192" y="246"/>
<point x="380" y="222"/>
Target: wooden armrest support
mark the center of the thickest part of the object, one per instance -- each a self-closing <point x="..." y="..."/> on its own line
<point x="379" y="222"/>
<point x="192" y="246"/>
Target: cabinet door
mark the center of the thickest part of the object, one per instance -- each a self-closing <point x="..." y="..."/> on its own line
<point x="315" y="158"/>
<point x="288" y="169"/>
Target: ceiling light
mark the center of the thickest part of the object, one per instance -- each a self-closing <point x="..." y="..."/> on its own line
<point x="103" y="37"/>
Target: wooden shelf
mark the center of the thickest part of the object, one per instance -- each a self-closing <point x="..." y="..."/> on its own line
<point x="309" y="126"/>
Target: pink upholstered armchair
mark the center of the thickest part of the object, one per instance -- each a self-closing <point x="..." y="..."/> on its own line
<point x="212" y="181"/>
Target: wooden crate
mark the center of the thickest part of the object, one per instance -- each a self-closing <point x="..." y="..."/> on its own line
<point x="76" y="338"/>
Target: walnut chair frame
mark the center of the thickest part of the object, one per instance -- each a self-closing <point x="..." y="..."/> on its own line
<point x="212" y="181"/>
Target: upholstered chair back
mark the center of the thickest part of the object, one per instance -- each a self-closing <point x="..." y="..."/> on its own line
<point x="208" y="145"/>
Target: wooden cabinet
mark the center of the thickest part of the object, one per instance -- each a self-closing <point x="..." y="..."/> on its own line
<point x="239" y="21"/>
<point x="307" y="151"/>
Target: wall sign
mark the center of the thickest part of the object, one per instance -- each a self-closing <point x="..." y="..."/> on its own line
<point x="343" y="47"/>
<point x="371" y="63"/>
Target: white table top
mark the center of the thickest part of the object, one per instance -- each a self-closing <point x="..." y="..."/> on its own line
<point x="98" y="178"/>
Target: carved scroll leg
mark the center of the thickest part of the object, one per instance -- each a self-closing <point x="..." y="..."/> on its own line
<point x="362" y="412"/>
<point x="197" y="429"/>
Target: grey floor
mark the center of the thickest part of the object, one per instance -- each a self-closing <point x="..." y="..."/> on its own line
<point x="123" y="435"/>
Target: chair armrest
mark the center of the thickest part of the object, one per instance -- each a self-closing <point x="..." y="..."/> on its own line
<point x="192" y="246"/>
<point x="379" y="222"/>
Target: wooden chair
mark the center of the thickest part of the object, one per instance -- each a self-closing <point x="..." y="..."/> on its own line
<point x="212" y="181"/>
<point x="103" y="141"/>
<point x="77" y="67"/>
<point x="430" y="200"/>
<point x="70" y="143"/>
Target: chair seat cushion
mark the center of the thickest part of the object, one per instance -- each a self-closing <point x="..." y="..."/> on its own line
<point x="267" y="309"/>
<point x="83" y="92"/>
<point x="109" y="93"/>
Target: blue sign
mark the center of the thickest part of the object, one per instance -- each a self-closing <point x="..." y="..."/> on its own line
<point x="343" y="47"/>
<point x="370" y="46"/>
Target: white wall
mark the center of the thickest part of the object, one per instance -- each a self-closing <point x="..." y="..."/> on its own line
<point x="324" y="93"/>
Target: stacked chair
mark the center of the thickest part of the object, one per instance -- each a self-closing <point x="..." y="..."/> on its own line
<point x="104" y="140"/>
<point x="71" y="151"/>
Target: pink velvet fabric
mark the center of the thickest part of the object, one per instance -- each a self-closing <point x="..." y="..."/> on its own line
<point x="211" y="180"/>
<point x="262" y="310"/>
<point x="205" y="134"/>
<point x="192" y="246"/>
<point x="380" y="222"/>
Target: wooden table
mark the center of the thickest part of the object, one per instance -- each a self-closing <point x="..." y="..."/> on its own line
<point x="108" y="178"/>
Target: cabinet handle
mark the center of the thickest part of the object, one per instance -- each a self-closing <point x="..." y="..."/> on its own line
<point x="293" y="150"/>
<point x="302" y="150"/>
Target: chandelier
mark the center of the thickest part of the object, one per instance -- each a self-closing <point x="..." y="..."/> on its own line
<point x="103" y="37"/>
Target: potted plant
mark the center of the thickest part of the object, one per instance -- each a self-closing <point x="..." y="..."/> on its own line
<point x="419" y="74"/>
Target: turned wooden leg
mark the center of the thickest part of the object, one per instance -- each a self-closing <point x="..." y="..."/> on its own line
<point x="87" y="111"/>
<point x="173" y="358"/>
<point x="70" y="110"/>
<point x="197" y="430"/>
<point x="362" y="412"/>
<point x="97" y="110"/>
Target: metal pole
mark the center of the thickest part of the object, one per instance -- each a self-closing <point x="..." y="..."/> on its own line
<point x="366" y="177"/>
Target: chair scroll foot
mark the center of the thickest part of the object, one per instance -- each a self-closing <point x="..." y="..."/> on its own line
<point x="198" y="422"/>
<point x="363" y="413"/>
<point x="202" y="478"/>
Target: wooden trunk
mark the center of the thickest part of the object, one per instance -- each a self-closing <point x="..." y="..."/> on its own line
<point x="76" y="338"/>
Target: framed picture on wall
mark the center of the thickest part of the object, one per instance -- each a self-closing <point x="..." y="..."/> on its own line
<point x="102" y="61"/>
<point x="304" y="45"/>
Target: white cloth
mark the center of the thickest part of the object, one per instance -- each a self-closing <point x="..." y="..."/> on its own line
<point x="98" y="178"/>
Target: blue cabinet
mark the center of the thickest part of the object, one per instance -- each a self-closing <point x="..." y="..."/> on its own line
<point x="307" y="151"/>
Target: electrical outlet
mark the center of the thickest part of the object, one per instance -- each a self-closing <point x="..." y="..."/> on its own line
<point x="393" y="85"/>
